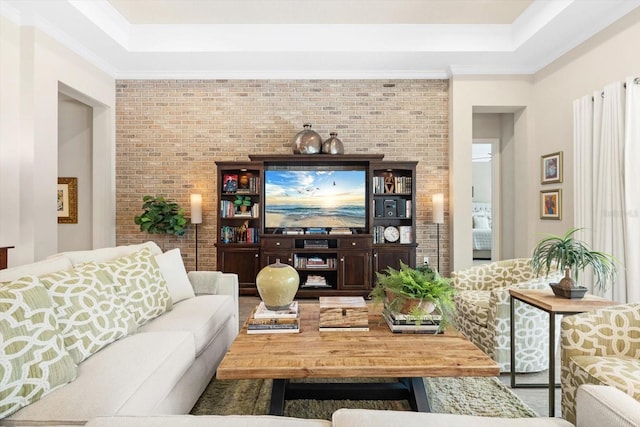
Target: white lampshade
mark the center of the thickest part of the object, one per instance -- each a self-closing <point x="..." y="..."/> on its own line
<point x="196" y="209"/>
<point x="438" y="208"/>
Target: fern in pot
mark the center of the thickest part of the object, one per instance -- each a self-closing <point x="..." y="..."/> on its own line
<point x="418" y="292"/>
<point x="572" y="255"/>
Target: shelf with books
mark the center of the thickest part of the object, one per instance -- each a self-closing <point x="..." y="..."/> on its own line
<point x="393" y="213"/>
<point x="238" y="239"/>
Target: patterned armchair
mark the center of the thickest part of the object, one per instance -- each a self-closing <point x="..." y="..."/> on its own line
<point x="482" y="302"/>
<point x="600" y="347"/>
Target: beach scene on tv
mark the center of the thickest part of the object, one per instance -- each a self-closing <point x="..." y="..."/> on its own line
<point x="298" y="199"/>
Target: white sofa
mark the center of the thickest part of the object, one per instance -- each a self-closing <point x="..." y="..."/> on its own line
<point x="341" y="418"/>
<point x="163" y="367"/>
<point x="599" y="406"/>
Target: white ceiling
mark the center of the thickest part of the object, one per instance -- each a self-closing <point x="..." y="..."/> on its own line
<point x="318" y="38"/>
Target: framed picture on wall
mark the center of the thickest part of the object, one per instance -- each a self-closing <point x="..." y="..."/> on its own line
<point x="552" y="168"/>
<point x="551" y="204"/>
<point x="67" y="200"/>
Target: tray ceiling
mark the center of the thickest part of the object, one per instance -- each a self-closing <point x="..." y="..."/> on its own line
<point x="286" y="39"/>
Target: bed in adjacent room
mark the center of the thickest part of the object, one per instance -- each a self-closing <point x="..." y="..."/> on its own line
<point x="482" y="235"/>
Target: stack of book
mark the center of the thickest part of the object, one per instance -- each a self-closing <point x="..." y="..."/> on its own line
<point x="265" y="321"/>
<point x="315" y="281"/>
<point x="405" y="323"/>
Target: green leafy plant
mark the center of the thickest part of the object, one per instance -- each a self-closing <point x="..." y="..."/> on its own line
<point x="161" y="216"/>
<point x="561" y="252"/>
<point x="420" y="285"/>
<point x="242" y="200"/>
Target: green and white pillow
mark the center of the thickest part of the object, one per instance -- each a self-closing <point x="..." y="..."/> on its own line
<point x="90" y="312"/>
<point x="33" y="359"/>
<point x="140" y="284"/>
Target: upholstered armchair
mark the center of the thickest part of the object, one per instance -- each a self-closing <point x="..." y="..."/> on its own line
<point x="483" y="306"/>
<point x="600" y="347"/>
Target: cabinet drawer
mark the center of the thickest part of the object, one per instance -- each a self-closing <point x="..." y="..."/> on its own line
<point x="355" y="243"/>
<point x="276" y="243"/>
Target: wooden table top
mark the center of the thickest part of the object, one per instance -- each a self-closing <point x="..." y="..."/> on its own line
<point x="544" y="299"/>
<point x="374" y="354"/>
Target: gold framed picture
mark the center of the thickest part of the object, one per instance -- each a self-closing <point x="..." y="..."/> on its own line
<point x="551" y="204"/>
<point x="67" y="200"/>
<point x="552" y="168"/>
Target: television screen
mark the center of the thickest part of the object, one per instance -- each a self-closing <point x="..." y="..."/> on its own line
<point x="315" y="198"/>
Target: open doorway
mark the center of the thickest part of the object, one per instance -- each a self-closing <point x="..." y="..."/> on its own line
<point x="75" y="155"/>
<point x="485" y="199"/>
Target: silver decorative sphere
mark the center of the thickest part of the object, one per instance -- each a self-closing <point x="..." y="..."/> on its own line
<point x="333" y="145"/>
<point x="307" y="141"/>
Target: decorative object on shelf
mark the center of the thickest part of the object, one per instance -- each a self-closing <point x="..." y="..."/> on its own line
<point x="307" y="141"/>
<point x="551" y="168"/>
<point x="333" y="145"/>
<point x="551" y="204"/>
<point x="230" y="183"/>
<point x="389" y="183"/>
<point x="437" y="200"/>
<point x="243" y="182"/>
<point x="277" y="285"/>
<point x="391" y="234"/>
<point x="572" y="255"/>
<point x="418" y="292"/>
<point x="161" y="216"/>
<point x="67" y="200"/>
<point x="242" y="202"/>
<point x="196" y="217"/>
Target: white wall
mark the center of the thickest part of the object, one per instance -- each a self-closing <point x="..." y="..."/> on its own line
<point x="42" y="66"/>
<point x="75" y="160"/>
<point x="607" y="57"/>
<point x="481" y="178"/>
<point x="543" y="123"/>
<point x="9" y="137"/>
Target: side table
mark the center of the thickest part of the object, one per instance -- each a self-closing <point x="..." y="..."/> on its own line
<point x="545" y="300"/>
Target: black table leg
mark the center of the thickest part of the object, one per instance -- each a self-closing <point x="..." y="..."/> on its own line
<point x="278" y="389"/>
<point x="552" y="364"/>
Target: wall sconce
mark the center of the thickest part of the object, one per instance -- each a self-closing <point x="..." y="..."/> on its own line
<point x="196" y="217"/>
<point x="437" y="200"/>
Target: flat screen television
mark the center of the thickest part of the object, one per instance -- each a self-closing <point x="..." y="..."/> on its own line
<point x="313" y="198"/>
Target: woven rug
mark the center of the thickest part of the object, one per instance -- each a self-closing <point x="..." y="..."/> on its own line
<point x="469" y="396"/>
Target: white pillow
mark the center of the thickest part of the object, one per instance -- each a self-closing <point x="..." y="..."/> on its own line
<point x="173" y="271"/>
<point x="481" y="222"/>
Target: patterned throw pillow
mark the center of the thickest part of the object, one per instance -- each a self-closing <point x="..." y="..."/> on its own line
<point x="90" y="312"/>
<point x="33" y="360"/>
<point x="140" y="284"/>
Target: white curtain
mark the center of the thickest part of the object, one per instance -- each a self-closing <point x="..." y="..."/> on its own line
<point x="583" y="109"/>
<point x="632" y="186"/>
<point x="607" y="180"/>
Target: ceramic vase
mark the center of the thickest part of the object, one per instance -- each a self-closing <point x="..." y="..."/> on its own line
<point x="277" y="285"/>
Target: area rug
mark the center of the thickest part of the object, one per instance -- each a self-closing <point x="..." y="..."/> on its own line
<point x="468" y="396"/>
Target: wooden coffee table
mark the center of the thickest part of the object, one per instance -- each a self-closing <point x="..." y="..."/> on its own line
<point x="377" y="353"/>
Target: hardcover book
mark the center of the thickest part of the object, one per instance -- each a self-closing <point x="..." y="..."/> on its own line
<point x="262" y="312"/>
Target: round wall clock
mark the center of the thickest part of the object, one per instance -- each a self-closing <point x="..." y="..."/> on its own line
<point x="391" y="234"/>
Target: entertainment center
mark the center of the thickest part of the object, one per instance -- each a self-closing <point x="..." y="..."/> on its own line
<point x="337" y="219"/>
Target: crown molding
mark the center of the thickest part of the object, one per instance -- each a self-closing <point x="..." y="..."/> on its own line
<point x="283" y="75"/>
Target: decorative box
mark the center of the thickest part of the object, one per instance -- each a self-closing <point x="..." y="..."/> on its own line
<point x="343" y="312"/>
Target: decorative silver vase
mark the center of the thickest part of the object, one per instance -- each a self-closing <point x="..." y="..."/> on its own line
<point x="333" y="145"/>
<point x="307" y="141"/>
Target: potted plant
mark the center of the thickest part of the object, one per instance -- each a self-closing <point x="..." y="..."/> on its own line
<point x="418" y="292"/>
<point x="573" y="256"/>
<point x="243" y="202"/>
<point x="161" y="216"/>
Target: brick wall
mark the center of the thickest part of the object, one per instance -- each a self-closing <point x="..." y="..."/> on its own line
<point x="169" y="133"/>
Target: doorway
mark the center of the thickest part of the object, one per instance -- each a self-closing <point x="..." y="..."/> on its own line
<point x="485" y="199"/>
